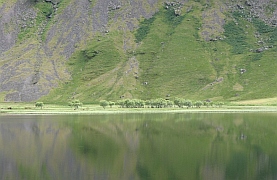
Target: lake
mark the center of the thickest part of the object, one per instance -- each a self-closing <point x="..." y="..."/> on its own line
<point x="210" y="146"/>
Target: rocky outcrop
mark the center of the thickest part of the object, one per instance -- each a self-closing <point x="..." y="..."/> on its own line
<point x="11" y="21"/>
<point x="213" y="22"/>
<point x="264" y="10"/>
<point x="33" y="64"/>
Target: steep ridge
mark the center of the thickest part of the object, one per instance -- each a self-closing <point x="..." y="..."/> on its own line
<point x="92" y="50"/>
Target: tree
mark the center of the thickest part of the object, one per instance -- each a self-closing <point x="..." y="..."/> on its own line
<point x="129" y="103"/>
<point x="188" y="103"/>
<point x="179" y="102"/>
<point x="39" y="104"/>
<point x="141" y="103"/>
<point x="198" y="104"/>
<point x="160" y="103"/>
<point x="148" y="103"/>
<point x="211" y="103"/>
<point x="111" y="104"/>
<point x="169" y="103"/>
<point x="138" y="103"/>
<point x="121" y="103"/>
<point x="208" y="103"/>
<point x="104" y="103"/>
<point x="76" y="103"/>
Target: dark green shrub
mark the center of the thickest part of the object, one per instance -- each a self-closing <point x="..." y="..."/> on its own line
<point x="75" y="103"/>
<point x="111" y="104"/>
<point x="235" y="36"/>
<point x="144" y="28"/>
<point x="39" y="104"/>
<point x="261" y="26"/>
<point x="171" y="18"/>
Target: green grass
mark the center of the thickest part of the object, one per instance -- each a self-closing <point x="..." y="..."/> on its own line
<point x="45" y="8"/>
<point x="171" y="56"/>
<point x="86" y="66"/>
<point x="97" y="59"/>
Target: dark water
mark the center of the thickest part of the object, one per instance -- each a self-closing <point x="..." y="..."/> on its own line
<point x="139" y="146"/>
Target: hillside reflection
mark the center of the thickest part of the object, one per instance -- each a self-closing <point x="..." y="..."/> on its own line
<point x="139" y="146"/>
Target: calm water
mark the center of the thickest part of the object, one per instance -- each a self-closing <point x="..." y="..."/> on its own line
<point x="139" y="146"/>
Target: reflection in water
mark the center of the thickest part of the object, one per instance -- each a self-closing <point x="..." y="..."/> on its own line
<point x="139" y="146"/>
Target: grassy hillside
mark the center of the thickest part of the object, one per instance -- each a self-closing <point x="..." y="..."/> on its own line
<point x="199" y="50"/>
<point x="95" y="71"/>
<point x="175" y="61"/>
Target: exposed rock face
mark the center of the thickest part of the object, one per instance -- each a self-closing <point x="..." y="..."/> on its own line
<point x="11" y="20"/>
<point x="24" y="88"/>
<point x="31" y="67"/>
<point x="266" y="10"/>
<point x="213" y="21"/>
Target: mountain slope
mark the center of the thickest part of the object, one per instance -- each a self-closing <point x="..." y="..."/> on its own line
<point x="92" y="50"/>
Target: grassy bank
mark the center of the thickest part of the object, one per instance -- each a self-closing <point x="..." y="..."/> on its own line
<point x="28" y="108"/>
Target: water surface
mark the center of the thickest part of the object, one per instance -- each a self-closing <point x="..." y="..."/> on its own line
<point x="139" y="146"/>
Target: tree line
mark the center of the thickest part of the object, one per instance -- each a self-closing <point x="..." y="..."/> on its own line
<point x="152" y="103"/>
<point x="159" y="103"/>
<point x="75" y="104"/>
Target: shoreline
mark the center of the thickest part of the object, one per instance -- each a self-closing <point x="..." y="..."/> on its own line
<point x="94" y="109"/>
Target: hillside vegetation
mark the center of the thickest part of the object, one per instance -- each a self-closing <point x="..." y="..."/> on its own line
<point x="56" y="51"/>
